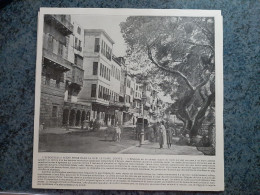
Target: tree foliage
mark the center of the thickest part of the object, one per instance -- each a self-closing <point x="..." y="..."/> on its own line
<point x="177" y="55"/>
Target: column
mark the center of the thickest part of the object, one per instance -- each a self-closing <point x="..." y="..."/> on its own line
<point x="80" y="117"/>
<point x="74" y="119"/>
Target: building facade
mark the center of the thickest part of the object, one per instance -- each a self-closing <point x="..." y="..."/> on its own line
<point x="83" y="80"/>
<point x="74" y="111"/>
<point x="62" y="73"/>
<point x="55" y="64"/>
<point x="97" y="63"/>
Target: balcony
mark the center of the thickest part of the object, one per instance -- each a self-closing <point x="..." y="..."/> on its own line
<point x="77" y="75"/>
<point x="134" y="110"/>
<point x="116" y="104"/>
<point x="60" y="22"/>
<point x="137" y="98"/>
<point x="127" y="104"/>
<point x="55" y="54"/>
<point x="79" y="48"/>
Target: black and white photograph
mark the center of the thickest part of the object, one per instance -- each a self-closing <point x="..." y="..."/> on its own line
<point x="127" y="85"/>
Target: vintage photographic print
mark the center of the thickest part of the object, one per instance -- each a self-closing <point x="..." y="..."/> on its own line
<point x="128" y="85"/>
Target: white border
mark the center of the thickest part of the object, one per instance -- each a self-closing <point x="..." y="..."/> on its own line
<point x="219" y="157"/>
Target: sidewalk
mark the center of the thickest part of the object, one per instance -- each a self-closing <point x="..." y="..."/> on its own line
<point x="153" y="148"/>
<point x="63" y="130"/>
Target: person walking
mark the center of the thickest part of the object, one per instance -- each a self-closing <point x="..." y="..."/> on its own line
<point x="162" y="135"/>
<point x="118" y="133"/>
<point x="156" y="131"/>
<point x="169" y="137"/>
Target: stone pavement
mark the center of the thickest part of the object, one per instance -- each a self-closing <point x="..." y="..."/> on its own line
<point x="153" y="148"/>
<point x="85" y="141"/>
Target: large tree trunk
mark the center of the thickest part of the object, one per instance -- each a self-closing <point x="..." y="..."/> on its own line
<point x="201" y="116"/>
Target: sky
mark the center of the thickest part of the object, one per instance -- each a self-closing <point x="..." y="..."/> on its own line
<point x="110" y="24"/>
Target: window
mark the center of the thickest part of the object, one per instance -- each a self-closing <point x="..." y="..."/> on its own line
<point x="105" y="75"/>
<point x="100" y="71"/>
<point x="58" y="83"/>
<point x="97" y="46"/>
<point x="76" y="42"/>
<point x="79" y="30"/>
<point x="99" y="91"/>
<point x="47" y="79"/>
<point x="95" y="68"/>
<point x="78" y="60"/>
<point x="54" y="111"/>
<point x="93" y="90"/>
<point x="60" y="49"/>
<point x="102" y="47"/>
<point x="80" y="48"/>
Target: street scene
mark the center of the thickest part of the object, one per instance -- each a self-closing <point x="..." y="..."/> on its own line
<point x="128" y="85"/>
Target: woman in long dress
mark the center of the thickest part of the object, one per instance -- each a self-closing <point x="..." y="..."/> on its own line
<point x="169" y="137"/>
<point x="162" y="136"/>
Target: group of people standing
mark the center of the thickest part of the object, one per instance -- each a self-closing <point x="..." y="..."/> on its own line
<point x="165" y="135"/>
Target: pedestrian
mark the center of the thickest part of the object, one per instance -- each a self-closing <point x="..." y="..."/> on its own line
<point x="91" y="123"/>
<point x="118" y="133"/>
<point x="162" y="135"/>
<point x="169" y="137"/>
<point x="156" y="131"/>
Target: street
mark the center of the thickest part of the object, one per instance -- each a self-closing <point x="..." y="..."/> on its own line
<point x="83" y="141"/>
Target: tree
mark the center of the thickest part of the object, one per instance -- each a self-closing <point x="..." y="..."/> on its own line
<point x="177" y="54"/>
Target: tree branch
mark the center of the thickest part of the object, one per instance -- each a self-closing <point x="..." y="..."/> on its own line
<point x="200" y="45"/>
<point x="201" y="84"/>
<point x="201" y="95"/>
<point x="168" y="70"/>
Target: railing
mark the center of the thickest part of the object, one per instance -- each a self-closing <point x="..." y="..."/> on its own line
<point x="62" y="20"/>
<point x="55" y="50"/>
<point x="114" y="103"/>
<point x="79" y="48"/>
<point x="77" y="76"/>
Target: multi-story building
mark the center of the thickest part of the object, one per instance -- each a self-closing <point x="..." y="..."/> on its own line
<point x="75" y="112"/>
<point x="137" y="97"/>
<point x="62" y="73"/>
<point x="55" y="64"/>
<point x="128" y="98"/>
<point x="116" y="98"/>
<point x="97" y="63"/>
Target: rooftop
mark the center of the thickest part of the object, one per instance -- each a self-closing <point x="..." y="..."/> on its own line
<point x="100" y="31"/>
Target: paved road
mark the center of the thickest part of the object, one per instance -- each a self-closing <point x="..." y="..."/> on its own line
<point x="82" y="141"/>
<point x="153" y="148"/>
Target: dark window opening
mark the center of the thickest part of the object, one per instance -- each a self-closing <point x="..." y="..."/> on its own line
<point x="93" y="90"/>
<point x="54" y="111"/>
<point x="95" y="68"/>
<point x="97" y="46"/>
